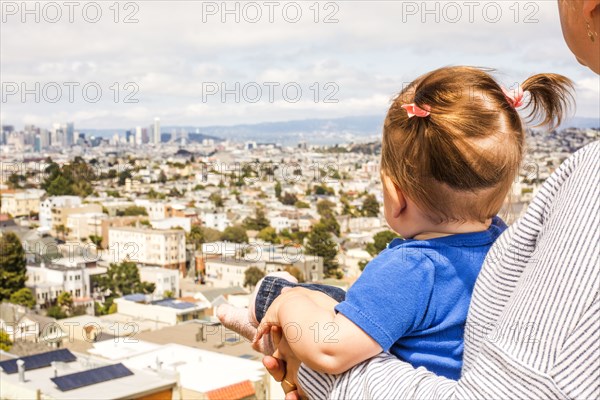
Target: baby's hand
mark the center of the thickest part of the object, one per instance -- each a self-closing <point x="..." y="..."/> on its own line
<point x="271" y="317"/>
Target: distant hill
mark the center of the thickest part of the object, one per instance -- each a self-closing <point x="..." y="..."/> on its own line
<point x="358" y="129"/>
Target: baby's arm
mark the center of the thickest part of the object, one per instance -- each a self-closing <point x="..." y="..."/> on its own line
<point x="324" y="340"/>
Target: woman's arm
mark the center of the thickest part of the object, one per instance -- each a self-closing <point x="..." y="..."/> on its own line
<point x="322" y="339"/>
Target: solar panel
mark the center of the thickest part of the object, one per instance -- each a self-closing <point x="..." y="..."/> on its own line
<point x="91" y="377"/>
<point x="37" y="360"/>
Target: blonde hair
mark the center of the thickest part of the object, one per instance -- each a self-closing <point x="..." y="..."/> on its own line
<point x="459" y="162"/>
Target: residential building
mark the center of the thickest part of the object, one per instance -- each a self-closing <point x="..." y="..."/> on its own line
<point x="61" y="374"/>
<point x="165" y="280"/>
<point x="23" y="325"/>
<point x="171" y="223"/>
<point x="215" y="220"/>
<point x="222" y="376"/>
<point x="21" y="202"/>
<point x="47" y="206"/>
<point x="82" y="225"/>
<point x="168" y="311"/>
<point x="149" y="247"/>
<point x="69" y="274"/>
<point x="54" y="211"/>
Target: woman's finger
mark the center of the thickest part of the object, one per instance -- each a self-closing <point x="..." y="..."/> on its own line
<point x="292" y="395"/>
<point x="275" y="367"/>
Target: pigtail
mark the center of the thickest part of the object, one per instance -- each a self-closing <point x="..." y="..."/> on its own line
<point x="551" y="97"/>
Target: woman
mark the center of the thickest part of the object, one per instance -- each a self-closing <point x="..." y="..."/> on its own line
<point x="538" y="334"/>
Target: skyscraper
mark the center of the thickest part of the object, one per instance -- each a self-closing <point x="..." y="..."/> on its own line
<point x="156" y="131"/>
<point x="138" y="136"/>
<point x="70" y="138"/>
<point x="37" y="144"/>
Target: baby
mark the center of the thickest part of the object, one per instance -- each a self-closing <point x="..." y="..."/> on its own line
<point x="452" y="145"/>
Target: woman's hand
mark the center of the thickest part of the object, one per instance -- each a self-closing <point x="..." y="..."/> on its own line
<point x="283" y="366"/>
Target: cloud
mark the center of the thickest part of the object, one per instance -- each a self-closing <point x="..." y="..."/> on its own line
<point x="167" y="58"/>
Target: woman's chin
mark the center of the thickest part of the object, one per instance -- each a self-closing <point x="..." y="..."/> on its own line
<point x="580" y="61"/>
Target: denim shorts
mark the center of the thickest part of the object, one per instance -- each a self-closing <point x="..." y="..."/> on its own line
<point x="271" y="287"/>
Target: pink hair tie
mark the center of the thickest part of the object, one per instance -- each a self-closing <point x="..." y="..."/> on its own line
<point x="414" y="110"/>
<point x="514" y="96"/>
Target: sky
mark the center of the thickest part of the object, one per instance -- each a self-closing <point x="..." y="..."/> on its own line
<point x="119" y="65"/>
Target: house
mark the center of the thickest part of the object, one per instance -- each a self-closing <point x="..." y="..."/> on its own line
<point x="21" y="202"/>
<point x="168" y="311"/>
<point x="203" y="374"/>
<point x="165" y="280"/>
<point x="215" y="220"/>
<point x="172" y="223"/>
<point x="60" y="374"/>
<point x="70" y="274"/>
<point x="23" y="325"/>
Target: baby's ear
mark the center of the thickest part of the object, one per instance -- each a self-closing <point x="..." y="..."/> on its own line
<point x="394" y="195"/>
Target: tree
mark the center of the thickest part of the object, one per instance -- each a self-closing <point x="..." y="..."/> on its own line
<point x="14" y="180"/>
<point x="258" y="222"/>
<point x="362" y="264"/>
<point x="331" y="224"/>
<point x="62" y="230"/>
<point x="196" y="236"/>
<point x="289" y="199"/>
<point x="370" y="206"/>
<point x="5" y="342"/>
<point x="323" y="190"/>
<point x="235" y="234"/>
<point x="325" y="208"/>
<point x="59" y="186"/>
<point x="295" y="272"/>
<point x="162" y="177"/>
<point x="23" y="297"/>
<point x="96" y="239"/>
<point x="70" y="179"/>
<point x="301" y="204"/>
<point x="122" y="279"/>
<point x="268" y="234"/>
<point x="133" y="211"/>
<point x="216" y="199"/>
<point x="380" y="242"/>
<point x="252" y="275"/>
<point x="56" y="312"/>
<point x="278" y="190"/>
<point x="211" y="235"/>
<point x="168" y="294"/>
<point x="13" y="271"/>
<point x="321" y="244"/>
<point x="65" y="302"/>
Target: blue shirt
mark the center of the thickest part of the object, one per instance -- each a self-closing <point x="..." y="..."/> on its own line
<point x="413" y="298"/>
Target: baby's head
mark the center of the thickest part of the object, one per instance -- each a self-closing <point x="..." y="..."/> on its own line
<point x="456" y="164"/>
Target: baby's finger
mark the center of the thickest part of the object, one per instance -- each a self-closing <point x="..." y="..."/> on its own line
<point x="261" y="331"/>
<point x="277" y="335"/>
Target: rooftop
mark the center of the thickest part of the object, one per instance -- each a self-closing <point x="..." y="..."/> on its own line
<point x="88" y="383"/>
<point x="199" y="370"/>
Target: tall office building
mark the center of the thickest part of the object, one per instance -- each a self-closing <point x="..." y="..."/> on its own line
<point x="37" y="144"/>
<point x="138" y="136"/>
<point x="156" y="131"/>
<point x="70" y="138"/>
<point x="129" y="137"/>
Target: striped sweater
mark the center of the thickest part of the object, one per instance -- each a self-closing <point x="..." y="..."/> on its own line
<point x="533" y="329"/>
